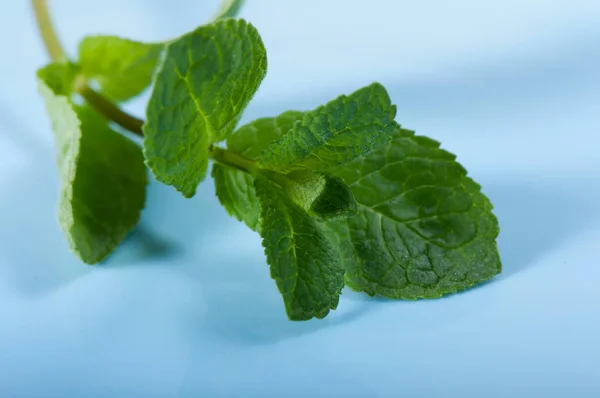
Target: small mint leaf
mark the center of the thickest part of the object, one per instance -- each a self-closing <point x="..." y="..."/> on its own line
<point x="207" y="79"/>
<point x="229" y="9"/>
<point x="235" y="190"/>
<point x="423" y="228"/>
<point x="304" y="263"/>
<point x="346" y="128"/>
<point x="123" y="68"/>
<point x="59" y="77"/>
<point x="102" y="177"/>
<point x="323" y="196"/>
<point x="252" y="138"/>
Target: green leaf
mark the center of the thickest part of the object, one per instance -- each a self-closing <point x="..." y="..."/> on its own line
<point x="304" y="263"/>
<point x="207" y="79"/>
<point x="423" y="228"/>
<point x="235" y="190"/>
<point x="102" y="174"/>
<point x="346" y="128"/>
<point x="123" y="68"/>
<point x="59" y="77"/>
<point x="252" y="138"/>
<point x="323" y="196"/>
<point x="229" y="8"/>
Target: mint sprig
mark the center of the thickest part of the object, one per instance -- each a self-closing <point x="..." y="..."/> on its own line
<point x="341" y="194"/>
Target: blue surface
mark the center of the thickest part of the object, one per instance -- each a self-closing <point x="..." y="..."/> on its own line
<point x="186" y="308"/>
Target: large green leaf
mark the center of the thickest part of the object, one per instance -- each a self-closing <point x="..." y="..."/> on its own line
<point x="304" y="262"/>
<point x="344" y="129"/>
<point x="423" y="228"/>
<point x="123" y="68"/>
<point x="102" y="177"/>
<point x="207" y="79"/>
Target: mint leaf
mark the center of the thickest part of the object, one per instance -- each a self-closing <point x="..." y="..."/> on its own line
<point x="235" y="190"/>
<point x="229" y="8"/>
<point x="207" y="79"/>
<point x="304" y="263"/>
<point x="59" y="77"/>
<point x="323" y="196"/>
<point x="252" y="138"/>
<point x="102" y="174"/>
<point x="423" y="228"/>
<point x="342" y="130"/>
<point x="123" y="68"/>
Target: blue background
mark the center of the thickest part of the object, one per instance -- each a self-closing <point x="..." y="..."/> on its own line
<point x="186" y="308"/>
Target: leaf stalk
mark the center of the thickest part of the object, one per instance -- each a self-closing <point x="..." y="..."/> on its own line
<point x="47" y="32"/>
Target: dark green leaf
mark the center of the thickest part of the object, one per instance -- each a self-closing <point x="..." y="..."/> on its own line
<point x="123" y="68"/>
<point x="423" y="227"/>
<point x="102" y="174"/>
<point x="235" y="190"/>
<point x="303" y="260"/>
<point x="346" y="128"/>
<point x="206" y="81"/>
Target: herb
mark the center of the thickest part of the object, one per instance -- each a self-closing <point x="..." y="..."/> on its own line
<point x="341" y="195"/>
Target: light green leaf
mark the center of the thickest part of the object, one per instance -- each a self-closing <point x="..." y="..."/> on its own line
<point x="235" y="190"/>
<point x="252" y="138"/>
<point x="123" y="68"/>
<point x="102" y="175"/>
<point x="304" y="263"/>
<point x="423" y="228"/>
<point x="323" y="196"/>
<point x="229" y="8"/>
<point x="207" y="79"/>
<point x="342" y="130"/>
<point x="59" y="77"/>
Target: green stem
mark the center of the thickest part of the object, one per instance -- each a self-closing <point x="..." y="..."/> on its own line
<point x="234" y="160"/>
<point x="94" y="99"/>
<point x="108" y="109"/>
<point x="237" y="161"/>
<point x="47" y="32"/>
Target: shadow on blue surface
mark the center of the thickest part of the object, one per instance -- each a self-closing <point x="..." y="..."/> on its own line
<point x="35" y="257"/>
<point x="536" y="218"/>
